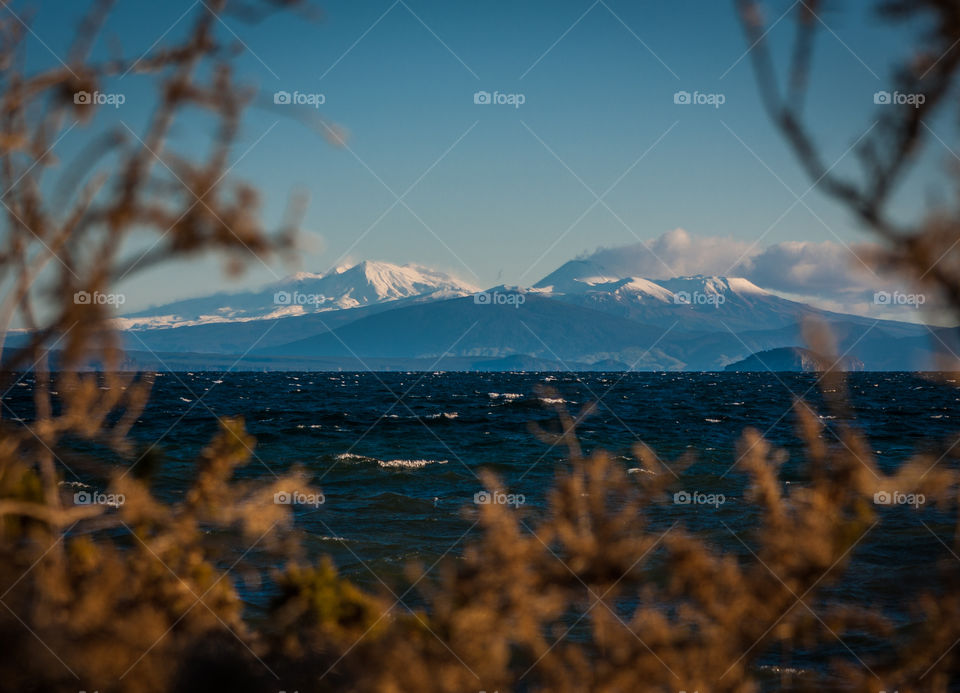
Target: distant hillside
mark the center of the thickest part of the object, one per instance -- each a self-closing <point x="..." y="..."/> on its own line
<point x="538" y="327"/>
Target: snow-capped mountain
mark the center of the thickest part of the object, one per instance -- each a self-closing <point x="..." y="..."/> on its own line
<point x="576" y="276"/>
<point x="579" y="277"/>
<point x="713" y="286"/>
<point x="363" y="284"/>
<point x="374" y="282"/>
<point x="697" y="302"/>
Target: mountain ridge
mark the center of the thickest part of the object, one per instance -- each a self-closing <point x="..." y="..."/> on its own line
<point x="580" y="315"/>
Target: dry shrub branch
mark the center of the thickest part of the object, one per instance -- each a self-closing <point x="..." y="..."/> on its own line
<point x="595" y="593"/>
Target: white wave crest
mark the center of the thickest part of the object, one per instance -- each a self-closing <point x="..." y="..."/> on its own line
<point x="408" y="464"/>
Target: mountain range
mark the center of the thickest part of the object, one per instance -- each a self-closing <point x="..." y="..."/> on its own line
<point x="381" y="316"/>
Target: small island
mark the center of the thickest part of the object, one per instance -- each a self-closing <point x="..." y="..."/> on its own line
<point x="790" y="359"/>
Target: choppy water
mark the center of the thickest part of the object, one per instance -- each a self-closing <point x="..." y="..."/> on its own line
<point x="397" y="454"/>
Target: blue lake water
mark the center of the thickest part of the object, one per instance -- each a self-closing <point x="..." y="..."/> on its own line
<point x="397" y="454"/>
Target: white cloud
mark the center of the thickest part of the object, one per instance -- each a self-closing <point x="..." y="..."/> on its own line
<point x="672" y="254"/>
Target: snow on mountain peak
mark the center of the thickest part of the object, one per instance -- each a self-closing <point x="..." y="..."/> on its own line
<point x="301" y="276"/>
<point x="574" y="276"/>
<point x="745" y="286"/>
<point x="712" y="285"/>
<point x="580" y="277"/>
<point x="362" y="284"/>
<point x="370" y="281"/>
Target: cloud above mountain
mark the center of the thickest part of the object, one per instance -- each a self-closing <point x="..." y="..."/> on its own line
<point x="672" y="254"/>
<point x="828" y="273"/>
<point x="823" y="269"/>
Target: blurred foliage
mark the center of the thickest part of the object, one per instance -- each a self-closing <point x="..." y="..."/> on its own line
<point x="593" y="595"/>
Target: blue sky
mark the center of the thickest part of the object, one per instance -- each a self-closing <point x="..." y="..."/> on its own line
<point x="504" y="194"/>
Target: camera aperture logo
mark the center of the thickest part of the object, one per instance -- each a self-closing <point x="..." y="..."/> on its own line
<point x="499" y="298"/>
<point x="299" y="98"/>
<point x="885" y="98"/>
<point x="698" y="298"/>
<point x="295" y="298"/>
<point x="299" y="498"/>
<point x="499" y="498"/>
<point x="898" y="298"/>
<point x="698" y="498"/>
<point x="686" y="98"/>
<point x="898" y="498"/>
<point x="98" y="98"/>
<point x="85" y="298"/>
<point x="114" y="500"/>
<point x="485" y="98"/>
